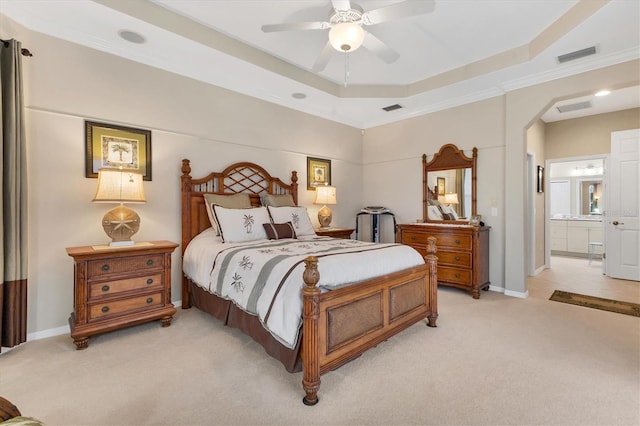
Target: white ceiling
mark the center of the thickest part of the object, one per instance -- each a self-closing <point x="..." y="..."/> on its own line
<point x="465" y="50"/>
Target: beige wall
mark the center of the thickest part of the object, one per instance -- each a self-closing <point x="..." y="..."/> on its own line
<point x="392" y="162"/>
<point x="587" y="135"/>
<point x="66" y="84"/>
<point x="536" y="147"/>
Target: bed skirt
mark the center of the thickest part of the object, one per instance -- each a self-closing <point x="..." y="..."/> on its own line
<point x="233" y="316"/>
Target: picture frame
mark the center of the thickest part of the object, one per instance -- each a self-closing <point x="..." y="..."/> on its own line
<point x="540" y="179"/>
<point x="318" y="172"/>
<point x="475" y="219"/>
<point x="111" y="146"/>
<point x="441" y="186"/>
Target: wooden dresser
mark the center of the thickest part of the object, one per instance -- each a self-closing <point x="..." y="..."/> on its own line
<point x="116" y="287"/>
<point x="462" y="251"/>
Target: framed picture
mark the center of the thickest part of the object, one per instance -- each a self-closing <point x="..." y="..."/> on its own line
<point x="441" y="184"/>
<point x="475" y="220"/>
<point x="318" y="172"/>
<point x="540" y="179"/>
<point x="109" y="146"/>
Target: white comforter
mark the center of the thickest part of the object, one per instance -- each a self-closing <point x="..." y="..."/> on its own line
<point x="264" y="277"/>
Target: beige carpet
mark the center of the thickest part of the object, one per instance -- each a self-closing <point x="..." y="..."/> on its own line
<point x="498" y="361"/>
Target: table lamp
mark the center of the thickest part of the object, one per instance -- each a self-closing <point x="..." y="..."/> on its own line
<point x="451" y="198"/>
<point x="325" y="195"/>
<point x="120" y="186"/>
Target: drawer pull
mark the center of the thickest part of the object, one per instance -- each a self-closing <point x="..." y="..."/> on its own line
<point x="149" y="299"/>
<point x="413" y="238"/>
<point x="105" y="267"/>
<point x="105" y="309"/>
<point x="149" y="280"/>
<point x="105" y="288"/>
<point x="457" y="241"/>
<point x="149" y="262"/>
<point x="457" y="275"/>
<point x="457" y="258"/>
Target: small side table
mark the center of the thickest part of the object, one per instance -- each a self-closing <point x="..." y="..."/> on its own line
<point x="344" y="233"/>
<point x="117" y="287"/>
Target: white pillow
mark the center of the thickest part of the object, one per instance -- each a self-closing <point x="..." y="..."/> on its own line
<point x="230" y="201"/>
<point x="298" y="216"/>
<point x="434" y="213"/>
<point x="237" y="225"/>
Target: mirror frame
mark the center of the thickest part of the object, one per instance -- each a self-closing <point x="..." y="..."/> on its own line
<point x="449" y="157"/>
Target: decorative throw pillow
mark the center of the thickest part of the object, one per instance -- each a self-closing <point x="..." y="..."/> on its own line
<point x="448" y="210"/>
<point x="278" y="231"/>
<point x="434" y="213"/>
<point x="238" y="225"/>
<point x="230" y="201"/>
<point x="298" y="216"/>
<point x="276" y="200"/>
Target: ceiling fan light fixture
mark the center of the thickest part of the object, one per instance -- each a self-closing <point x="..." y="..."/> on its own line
<point x="346" y="36"/>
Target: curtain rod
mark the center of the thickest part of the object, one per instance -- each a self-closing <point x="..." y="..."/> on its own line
<point x="25" y="52"/>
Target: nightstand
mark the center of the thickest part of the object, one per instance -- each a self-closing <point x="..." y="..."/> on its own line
<point x="117" y="287"/>
<point x="335" y="232"/>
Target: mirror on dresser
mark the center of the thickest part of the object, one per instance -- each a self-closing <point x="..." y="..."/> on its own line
<point x="449" y="185"/>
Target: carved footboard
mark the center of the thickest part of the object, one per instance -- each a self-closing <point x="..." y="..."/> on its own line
<point x="340" y="325"/>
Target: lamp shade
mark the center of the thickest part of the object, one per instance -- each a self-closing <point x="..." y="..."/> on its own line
<point x="119" y="186"/>
<point x="451" y="198"/>
<point x="325" y="195"/>
<point x="346" y="36"/>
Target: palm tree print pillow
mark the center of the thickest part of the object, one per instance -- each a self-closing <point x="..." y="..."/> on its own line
<point x="238" y="225"/>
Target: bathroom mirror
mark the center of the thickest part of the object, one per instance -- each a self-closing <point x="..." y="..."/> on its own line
<point x="449" y="185"/>
<point x="591" y="197"/>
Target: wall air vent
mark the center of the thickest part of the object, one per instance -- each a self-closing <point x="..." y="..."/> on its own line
<point x="392" y="107"/>
<point x="577" y="54"/>
<point x="574" y="107"/>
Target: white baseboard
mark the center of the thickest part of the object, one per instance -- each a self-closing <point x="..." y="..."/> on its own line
<point x="37" y="335"/>
<point x="517" y="294"/>
<point x="51" y="332"/>
<point x="496" y="289"/>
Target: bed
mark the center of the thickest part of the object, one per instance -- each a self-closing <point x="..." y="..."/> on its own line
<point x="336" y="324"/>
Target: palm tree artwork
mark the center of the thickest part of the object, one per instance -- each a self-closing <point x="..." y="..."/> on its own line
<point x="120" y="148"/>
<point x="248" y="223"/>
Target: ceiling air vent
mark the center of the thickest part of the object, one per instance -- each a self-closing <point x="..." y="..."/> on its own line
<point x="574" y="107"/>
<point x="577" y="54"/>
<point x="392" y="107"/>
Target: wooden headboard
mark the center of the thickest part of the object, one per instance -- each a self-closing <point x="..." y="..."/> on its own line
<point x="237" y="178"/>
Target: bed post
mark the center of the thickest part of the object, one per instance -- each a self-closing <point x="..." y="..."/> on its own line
<point x="432" y="262"/>
<point x="186" y="218"/>
<point x="310" y="318"/>
<point x="294" y="187"/>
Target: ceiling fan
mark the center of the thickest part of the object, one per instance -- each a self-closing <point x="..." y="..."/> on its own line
<point x="346" y="32"/>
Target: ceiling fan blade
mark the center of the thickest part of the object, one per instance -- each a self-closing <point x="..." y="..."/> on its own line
<point x="323" y="59"/>
<point x="397" y="11"/>
<point x="341" y="4"/>
<point x="375" y="45"/>
<point x="295" y="26"/>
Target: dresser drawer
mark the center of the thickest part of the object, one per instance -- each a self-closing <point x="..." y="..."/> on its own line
<point x="105" y="267"/>
<point x="459" y="259"/>
<point x="460" y="276"/>
<point x="118" y="307"/>
<point x="118" y="286"/>
<point x="460" y="241"/>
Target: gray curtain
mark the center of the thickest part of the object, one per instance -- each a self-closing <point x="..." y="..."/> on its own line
<point x="13" y="228"/>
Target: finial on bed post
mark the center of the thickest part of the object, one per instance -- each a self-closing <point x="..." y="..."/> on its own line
<point x="310" y="337"/>
<point x="186" y="168"/>
<point x="432" y="261"/>
<point x="294" y="186"/>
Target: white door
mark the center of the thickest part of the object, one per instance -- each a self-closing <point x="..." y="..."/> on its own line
<point x="622" y="215"/>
